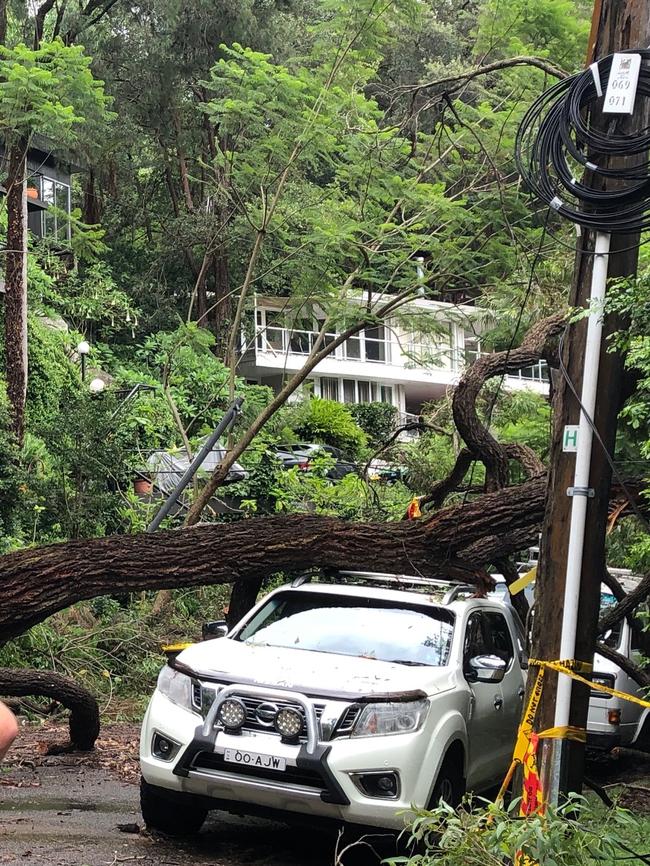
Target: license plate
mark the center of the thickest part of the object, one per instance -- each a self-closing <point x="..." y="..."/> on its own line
<point x="254" y="759"/>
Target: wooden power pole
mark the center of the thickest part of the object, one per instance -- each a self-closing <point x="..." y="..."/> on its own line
<point x="617" y="25"/>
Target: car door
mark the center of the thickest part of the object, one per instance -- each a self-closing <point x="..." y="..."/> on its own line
<point x="503" y="643"/>
<point x="485" y="723"/>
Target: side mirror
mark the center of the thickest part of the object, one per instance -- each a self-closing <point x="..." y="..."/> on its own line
<point x="216" y="628"/>
<point x="486" y="669"/>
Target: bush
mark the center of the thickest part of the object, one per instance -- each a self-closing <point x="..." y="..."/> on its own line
<point x="576" y="834"/>
<point x="329" y="423"/>
<point x="377" y="420"/>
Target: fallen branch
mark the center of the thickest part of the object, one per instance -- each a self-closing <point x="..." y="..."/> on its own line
<point x="480" y="442"/>
<point x="456" y="82"/>
<point x="84" y="712"/>
<point x="626" y="605"/>
<point x="37" y="582"/>
<point x="625" y="664"/>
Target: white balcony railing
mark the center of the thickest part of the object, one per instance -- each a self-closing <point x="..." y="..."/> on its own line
<point x="285" y="342"/>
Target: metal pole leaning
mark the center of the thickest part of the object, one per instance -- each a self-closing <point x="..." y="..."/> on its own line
<point x="223" y="425"/>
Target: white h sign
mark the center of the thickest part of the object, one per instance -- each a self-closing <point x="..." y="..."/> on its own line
<point x="570" y="438"/>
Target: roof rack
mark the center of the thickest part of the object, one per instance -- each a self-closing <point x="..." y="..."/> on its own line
<point x="395" y="581"/>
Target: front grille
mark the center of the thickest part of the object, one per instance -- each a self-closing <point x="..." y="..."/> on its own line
<point x="347" y="721"/>
<point x="259" y="715"/>
<point x="203" y="698"/>
<point x="290" y="776"/>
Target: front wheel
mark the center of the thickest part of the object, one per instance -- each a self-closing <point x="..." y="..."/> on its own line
<point x="178" y="815"/>
<point x="450" y="784"/>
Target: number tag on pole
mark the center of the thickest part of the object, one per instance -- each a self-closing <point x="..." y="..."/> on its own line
<point x="621" y="86"/>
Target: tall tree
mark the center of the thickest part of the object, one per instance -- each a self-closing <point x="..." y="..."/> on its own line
<point x="48" y="90"/>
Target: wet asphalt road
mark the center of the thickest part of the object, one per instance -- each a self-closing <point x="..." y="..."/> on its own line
<point x="69" y="816"/>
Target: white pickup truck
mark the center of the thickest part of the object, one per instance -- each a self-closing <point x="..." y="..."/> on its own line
<point x="351" y="700"/>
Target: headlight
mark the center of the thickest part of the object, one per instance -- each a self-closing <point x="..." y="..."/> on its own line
<point x="175" y="686"/>
<point x="391" y="718"/>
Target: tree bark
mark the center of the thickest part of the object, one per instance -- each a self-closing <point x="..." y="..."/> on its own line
<point x="481" y="443"/>
<point x="242" y="598"/>
<point x="626" y="605"/>
<point x="3" y="21"/>
<point x="16" y="287"/>
<point x="455" y="542"/>
<point x="84" y="712"/>
<point x="222" y="309"/>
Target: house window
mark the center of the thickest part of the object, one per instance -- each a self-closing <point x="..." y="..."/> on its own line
<point x="55" y="220"/>
<point x="472" y="347"/>
<point x="301" y="337"/>
<point x="354" y="391"/>
<point x="274" y="333"/>
<point x="329" y="389"/>
<point x="364" y="392"/>
<point x="329" y="336"/>
<point x="375" y="341"/>
<point x="353" y="348"/>
<point x="349" y="391"/>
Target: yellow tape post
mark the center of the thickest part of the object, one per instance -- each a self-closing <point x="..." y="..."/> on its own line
<point x="565" y="732"/>
<point x="524" y="733"/>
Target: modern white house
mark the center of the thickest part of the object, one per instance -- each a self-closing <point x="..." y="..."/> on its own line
<point x="389" y="363"/>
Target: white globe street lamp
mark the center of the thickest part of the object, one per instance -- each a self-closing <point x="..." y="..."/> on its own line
<point x="83" y="349"/>
<point x="97" y="386"/>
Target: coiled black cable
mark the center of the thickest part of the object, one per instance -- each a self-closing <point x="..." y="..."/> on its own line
<point x="558" y="140"/>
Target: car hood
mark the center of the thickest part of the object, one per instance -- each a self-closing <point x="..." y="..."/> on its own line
<point x="315" y="673"/>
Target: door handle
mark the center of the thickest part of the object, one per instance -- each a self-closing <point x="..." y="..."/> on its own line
<point x="498" y="702"/>
<point x="521" y="692"/>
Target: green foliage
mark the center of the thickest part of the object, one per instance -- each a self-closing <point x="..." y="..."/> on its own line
<point x="524" y="416"/>
<point x="80" y="297"/>
<point x="576" y="834"/>
<point x="10" y="475"/>
<point x="50" y="90"/>
<point x="51" y="371"/>
<point x="377" y="420"/>
<point x="557" y="29"/>
<point x="113" y="645"/>
<point x="330" y="423"/>
<point x="92" y="462"/>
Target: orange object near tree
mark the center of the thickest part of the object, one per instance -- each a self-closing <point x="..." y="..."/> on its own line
<point x="413" y="510"/>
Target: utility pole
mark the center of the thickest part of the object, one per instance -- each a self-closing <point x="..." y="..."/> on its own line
<point x="616" y="25"/>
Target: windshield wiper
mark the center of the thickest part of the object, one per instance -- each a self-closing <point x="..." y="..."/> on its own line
<point x="406" y="662"/>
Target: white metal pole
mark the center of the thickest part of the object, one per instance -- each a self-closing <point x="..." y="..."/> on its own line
<point x="581" y="491"/>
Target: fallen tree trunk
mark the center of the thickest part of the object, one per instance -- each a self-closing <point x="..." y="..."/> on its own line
<point x="84" y="712"/>
<point x="455" y="541"/>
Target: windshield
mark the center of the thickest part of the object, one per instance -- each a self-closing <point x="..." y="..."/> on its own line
<point x="364" y="627"/>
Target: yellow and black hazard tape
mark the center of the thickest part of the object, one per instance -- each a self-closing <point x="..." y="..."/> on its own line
<point x="569" y="668"/>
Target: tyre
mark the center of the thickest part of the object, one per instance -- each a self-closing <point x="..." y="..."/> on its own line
<point x="450" y="784"/>
<point x="178" y="815"/>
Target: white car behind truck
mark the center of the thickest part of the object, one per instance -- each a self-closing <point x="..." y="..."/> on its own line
<point x="612" y="721"/>
<point x="350" y="700"/>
